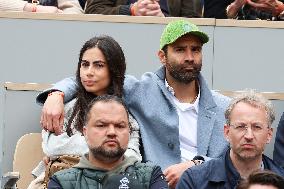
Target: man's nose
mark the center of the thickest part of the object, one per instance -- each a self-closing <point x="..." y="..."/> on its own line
<point x="249" y="133"/>
<point x="189" y="55"/>
<point x="111" y="130"/>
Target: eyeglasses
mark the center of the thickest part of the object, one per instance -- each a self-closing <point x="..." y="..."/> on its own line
<point x="243" y="128"/>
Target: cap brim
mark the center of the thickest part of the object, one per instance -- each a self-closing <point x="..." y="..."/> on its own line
<point x="202" y="36"/>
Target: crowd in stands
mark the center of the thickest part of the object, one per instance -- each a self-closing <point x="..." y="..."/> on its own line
<point x="220" y="9"/>
<point x="88" y="133"/>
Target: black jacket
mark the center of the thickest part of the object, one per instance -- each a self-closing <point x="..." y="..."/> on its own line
<point x="278" y="154"/>
<point x="213" y="174"/>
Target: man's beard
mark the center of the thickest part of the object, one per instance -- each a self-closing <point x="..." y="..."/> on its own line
<point x="247" y="155"/>
<point x="179" y="73"/>
<point x="104" y="155"/>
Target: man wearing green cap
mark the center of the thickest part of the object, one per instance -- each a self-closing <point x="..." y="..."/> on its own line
<point x="179" y="117"/>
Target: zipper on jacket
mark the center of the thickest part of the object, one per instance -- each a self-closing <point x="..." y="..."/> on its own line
<point x="100" y="186"/>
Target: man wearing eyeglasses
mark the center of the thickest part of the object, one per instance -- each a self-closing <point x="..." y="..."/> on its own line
<point x="248" y="129"/>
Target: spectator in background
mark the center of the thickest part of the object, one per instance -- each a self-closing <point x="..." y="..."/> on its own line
<point x="175" y="8"/>
<point x="262" y="180"/>
<point x="278" y="154"/>
<point x="215" y="8"/>
<point x="244" y="9"/>
<point x="107" y="130"/>
<point x="52" y="6"/>
<point x="247" y="129"/>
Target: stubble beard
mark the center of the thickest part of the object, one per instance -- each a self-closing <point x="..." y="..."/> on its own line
<point x="248" y="155"/>
<point x="181" y="75"/>
<point x="102" y="154"/>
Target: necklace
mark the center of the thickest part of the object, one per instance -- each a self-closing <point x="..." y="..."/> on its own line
<point x="193" y="100"/>
<point x="197" y="93"/>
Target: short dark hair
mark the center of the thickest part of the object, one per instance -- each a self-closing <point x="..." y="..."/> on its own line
<point x="106" y="98"/>
<point x="264" y="177"/>
<point x="165" y="49"/>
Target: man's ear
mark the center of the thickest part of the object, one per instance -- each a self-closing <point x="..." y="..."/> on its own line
<point x="226" y="132"/>
<point x="85" y="132"/>
<point x="269" y="135"/>
<point x="162" y="56"/>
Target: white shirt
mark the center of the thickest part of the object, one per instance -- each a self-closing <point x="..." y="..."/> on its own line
<point x="188" y="114"/>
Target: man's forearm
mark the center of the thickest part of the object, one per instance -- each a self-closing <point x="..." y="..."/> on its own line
<point x="106" y="7"/>
<point x="233" y="9"/>
<point x="68" y="86"/>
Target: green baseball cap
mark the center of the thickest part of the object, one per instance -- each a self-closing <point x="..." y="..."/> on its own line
<point x="176" y="29"/>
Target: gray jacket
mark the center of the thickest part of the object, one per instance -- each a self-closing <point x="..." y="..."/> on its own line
<point x="150" y="103"/>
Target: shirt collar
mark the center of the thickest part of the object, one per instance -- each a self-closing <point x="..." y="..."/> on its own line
<point x="191" y="106"/>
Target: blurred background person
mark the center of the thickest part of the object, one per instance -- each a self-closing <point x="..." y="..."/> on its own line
<point x="45" y="6"/>
<point x="244" y="9"/>
<point x="175" y="8"/>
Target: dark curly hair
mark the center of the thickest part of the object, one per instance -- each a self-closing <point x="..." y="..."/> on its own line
<point x="116" y="64"/>
<point x="264" y="177"/>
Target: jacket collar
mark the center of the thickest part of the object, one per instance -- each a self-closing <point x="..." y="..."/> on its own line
<point x="218" y="170"/>
<point x="207" y="116"/>
<point x="100" y="175"/>
<point x="84" y="163"/>
<point x="206" y="110"/>
<point x="206" y="99"/>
